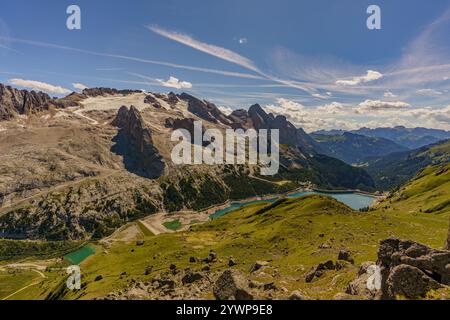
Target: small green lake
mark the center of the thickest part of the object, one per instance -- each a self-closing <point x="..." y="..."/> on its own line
<point x="80" y="255"/>
<point x="354" y="200"/>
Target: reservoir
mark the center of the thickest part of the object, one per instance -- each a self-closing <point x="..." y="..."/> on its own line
<point x="354" y="200"/>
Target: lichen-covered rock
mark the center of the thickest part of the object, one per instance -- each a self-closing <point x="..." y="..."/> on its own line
<point x="409" y="281"/>
<point x="411" y="269"/>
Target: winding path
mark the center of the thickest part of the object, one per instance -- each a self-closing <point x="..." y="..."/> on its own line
<point x="33" y="267"/>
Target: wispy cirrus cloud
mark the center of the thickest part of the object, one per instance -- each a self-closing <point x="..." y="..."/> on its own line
<point x="210" y="49"/>
<point x="224" y="54"/>
<point x="429" y="92"/>
<point x="39" y="86"/>
<point x="135" y="59"/>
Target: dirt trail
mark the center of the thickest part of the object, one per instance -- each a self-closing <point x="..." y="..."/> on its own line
<point x="26" y="266"/>
<point x="155" y="224"/>
<point x="79" y="113"/>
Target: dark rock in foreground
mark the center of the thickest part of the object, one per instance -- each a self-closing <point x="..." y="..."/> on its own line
<point x="231" y="285"/>
<point x="411" y="269"/>
<point x="404" y="269"/>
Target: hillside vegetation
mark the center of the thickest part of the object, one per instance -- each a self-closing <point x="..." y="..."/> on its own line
<point x="392" y="170"/>
<point x="292" y="236"/>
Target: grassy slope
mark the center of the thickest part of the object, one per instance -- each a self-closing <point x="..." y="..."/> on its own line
<point x="395" y="169"/>
<point x="287" y="234"/>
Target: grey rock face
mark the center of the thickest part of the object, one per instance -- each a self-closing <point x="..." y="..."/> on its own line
<point x="231" y="285"/>
<point x="204" y="109"/>
<point x="14" y="101"/>
<point x="411" y="269"/>
<point x="135" y="143"/>
<point x="409" y="281"/>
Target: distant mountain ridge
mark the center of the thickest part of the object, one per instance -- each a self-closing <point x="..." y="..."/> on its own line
<point x="411" y="138"/>
<point x="354" y="148"/>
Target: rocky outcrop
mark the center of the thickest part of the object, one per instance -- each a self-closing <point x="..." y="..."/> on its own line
<point x="231" y="285"/>
<point x="149" y="99"/>
<point x="240" y="119"/>
<point x="289" y="134"/>
<point x="90" y="210"/>
<point x="14" y="101"/>
<point x="258" y="119"/>
<point x="186" y="124"/>
<point x="319" y="270"/>
<point x="134" y="142"/>
<point x="411" y="269"/>
<point x="95" y="92"/>
<point x="204" y="109"/>
<point x="359" y="286"/>
<point x="345" y="255"/>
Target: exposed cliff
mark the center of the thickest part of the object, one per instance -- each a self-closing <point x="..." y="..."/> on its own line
<point x="134" y="142"/>
<point x="14" y="101"/>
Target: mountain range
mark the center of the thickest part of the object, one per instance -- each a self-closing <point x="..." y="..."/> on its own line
<point x="91" y="175"/>
<point x="411" y="138"/>
<point x="82" y="166"/>
<point x="355" y="148"/>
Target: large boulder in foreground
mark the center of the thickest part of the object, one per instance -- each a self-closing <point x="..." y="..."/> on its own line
<point x="231" y="285"/>
<point x="411" y="269"/>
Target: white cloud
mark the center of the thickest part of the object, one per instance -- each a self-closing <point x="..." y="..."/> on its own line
<point x="175" y="83"/>
<point x="331" y="108"/>
<point x="79" y="86"/>
<point x="370" y="76"/>
<point x="321" y="96"/>
<point x="372" y="114"/>
<point x="226" y="110"/>
<point x="429" y="92"/>
<point x="389" y="94"/>
<point x="311" y="119"/>
<point x="39" y="86"/>
<point x="383" y="105"/>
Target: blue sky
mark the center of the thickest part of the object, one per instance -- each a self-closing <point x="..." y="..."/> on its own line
<point x="315" y="61"/>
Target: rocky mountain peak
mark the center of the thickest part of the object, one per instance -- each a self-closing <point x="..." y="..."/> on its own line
<point x="205" y="110"/>
<point x="134" y="142"/>
<point x="14" y="101"/>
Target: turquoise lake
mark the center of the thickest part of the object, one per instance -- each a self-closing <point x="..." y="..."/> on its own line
<point x="355" y="201"/>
